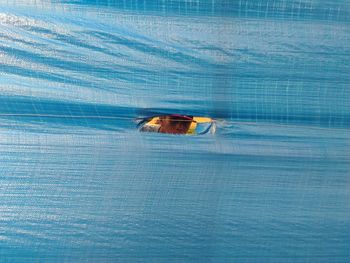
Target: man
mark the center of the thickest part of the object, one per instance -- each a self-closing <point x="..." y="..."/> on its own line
<point x="173" y="124"/>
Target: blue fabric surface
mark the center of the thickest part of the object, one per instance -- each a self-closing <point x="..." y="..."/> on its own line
<point x="79" y="183"/>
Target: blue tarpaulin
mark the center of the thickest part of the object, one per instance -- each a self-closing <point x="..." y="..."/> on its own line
<point x="79" y="182"/>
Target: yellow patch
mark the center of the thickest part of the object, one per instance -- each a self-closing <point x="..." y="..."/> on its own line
<point x="192" y="130"/>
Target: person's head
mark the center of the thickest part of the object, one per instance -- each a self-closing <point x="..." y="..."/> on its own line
<point x="175" y="124"/>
